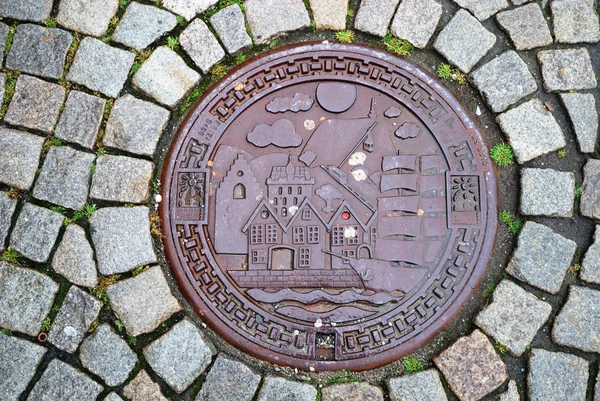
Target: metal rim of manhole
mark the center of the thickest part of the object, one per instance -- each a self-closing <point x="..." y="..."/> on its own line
<point x="328" y="207"/>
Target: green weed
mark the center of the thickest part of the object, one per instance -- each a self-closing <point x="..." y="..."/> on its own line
<point x="578" y="191"/>
<point x="562" y="153"/>
<point x="46" y="324"/>
<point x="344" y="377"/>
<point x="397" y="46"/>
<point x="345" y="36"/>
<point x="172" y="42"/>
<point x="100" y="290"/>
<point x="412" y="365"/>
<point x="489" y="289"/>
<point x="514" y="225"/>
<point x="11" y="256"/>
<point x="51" y="22"/>
<point x="502" y="154"/>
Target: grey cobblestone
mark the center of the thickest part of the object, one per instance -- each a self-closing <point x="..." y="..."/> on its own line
<point x="121" y="179"/>
<point x="115" y="397"/>
<point x="416" y="21"/>
<point x="7" y="209"/>
<point x="352" y="392"/>
<point x="188" y="8"/>
<point x="526" y="27"/>
<point x="201" y="45"/>
<point x="39" y="51"/>
<point x="89" y="17"/>
<point x="590" y="268"/>
<point x="271" y="18"/>
<point x="101" y="67"/>
<point x="121" y="236"/>
<point x="61" y="381"/>
<point x="35" y="104"/>
<point x="65" y="177"/>
<point x="143" y="302"/>
<point x="590" y="198"/>
<point x="556" y="376"/>
<point x="514" y="317"/>
<point x="278" y="388"/>
<point x="142" y="25"/>
<point x="581" y="108"/>
<point x="329" y="14"/>
<point x="578" y="323"/>
<point x="575" y="21"/>
<point x="422" y="386"/>
<point x="35" y="232"/>
<point x="26" y="297"/>
<point x="230" y="25"/>
<point x="165" y="77"/>
<point x="107" y="355"/>
<point x="26" y="10"/>
<point x="74" y="258"/>
<point x="180" y="356"/>
<point x="464" y="41"/>
<point x="135" y="125"/>
<point x="3" y="35"/>
<point x="19" y="360"/>
<point x="504" y="81"/>
<point x="531" y="130"/>
<point x="77" y="312"/>
<point x="567" y="69"/>
<point x="374" y="16"/>
<point x="80" y="120"/>
<point x="546" y="192"/>
<point x="483" y="9"/>
<point x="229" y="380"/>
<point x="512" y="394"/>
<point x="542" y="257"/>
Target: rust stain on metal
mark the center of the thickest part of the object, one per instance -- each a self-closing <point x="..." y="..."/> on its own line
<point x="328" y="207"/>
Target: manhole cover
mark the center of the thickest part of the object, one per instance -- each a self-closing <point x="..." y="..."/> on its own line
<point x="328" y="207"/>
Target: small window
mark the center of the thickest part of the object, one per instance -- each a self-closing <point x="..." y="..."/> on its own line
<point x="256" y="234"/>
<point x="349" y="254"/>
<point x="337" y="236"/>
<point x="289" y="190"/>
<point x="313" y="234"/>
<point x="295" y="201"/>
<point x="306" y="214"/>
<point x="353" y="240"/>
<point x="298" y="235"/>
<point x="284" y="202"/>
<point x="299" y="190"/>
<point x="284" y="211"/>
<point x="259" y="256"/>
<point x="239" y="192"/>
<point x="271" y="234"/>
<point x="304" y="258"/>
<point x="280" y="191"/>
<point x="275" y="201"/>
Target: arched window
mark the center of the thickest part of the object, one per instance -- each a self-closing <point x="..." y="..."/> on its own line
<point x="299" y="190"/>
<point x="284" y="201"/>
<point x="280" y="191"/>
<point x="275" y="201"/>
<point x="295" y="201"/>
<point x="239" y="192"/>
<point x="289" y="190"/>
<point x="284" y="211"/>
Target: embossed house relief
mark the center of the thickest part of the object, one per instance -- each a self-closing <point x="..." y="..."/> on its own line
<point x="328" y="208"/>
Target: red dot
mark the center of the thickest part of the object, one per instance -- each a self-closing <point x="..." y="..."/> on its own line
<point x="345" y="215"/>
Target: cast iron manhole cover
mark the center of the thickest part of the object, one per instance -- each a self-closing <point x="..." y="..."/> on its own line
<point x="328" y="207"/>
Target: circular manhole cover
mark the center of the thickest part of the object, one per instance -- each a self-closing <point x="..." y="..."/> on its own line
<point x="328" y="207"/>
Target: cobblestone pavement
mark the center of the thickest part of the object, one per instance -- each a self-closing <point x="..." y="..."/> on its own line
<point x="92" y="92"/>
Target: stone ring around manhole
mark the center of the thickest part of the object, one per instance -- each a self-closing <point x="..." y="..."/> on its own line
<point x="328" y="207"/>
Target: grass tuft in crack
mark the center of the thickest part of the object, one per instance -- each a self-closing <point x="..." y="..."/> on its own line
<point x="11" y="256"/>
<point x="411" y="365"/>
<point x="513" y="224"/>
<point x="502" y="154"/>
<point x="345" y="36"/>
<point x="401" y="47"/>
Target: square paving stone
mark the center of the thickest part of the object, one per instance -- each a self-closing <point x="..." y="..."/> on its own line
<point x="531" y="130"/>
<point x="201" y="45"/>
<point x="542" y="257"/>
<point x="188" y="9"/>
<point x="483" y="9"/>
<point x="121" y="236"/>
<point x="578" y="323"/>
<point x="26" y="297"/>
<point x="35" y="232"/>
<point x="422" y="386"/>
<point x="416" y="21"/>
<point x="229" y="380"/>
<point x="575" y="21"/>
<point x="90" y="17"/>
<point x="7" y="209"/>
<point x="514" y="317"/>
<point x="374" y="16"/>
<point x="142" y="388"/>
<point x="143" y="302"/>
<point x="472" y="367"/>
<point x="107" y="355"/>
<point x="556" y="376"/>
<point x="77" y="313"/>
<point x="19" y="157"/>
<point x="26" y="10"/>
<point x="135" y="125"/>
<point x="62" y="382"/>
<point x="278" y="388"/>
<point x="464" y="41"/>
<point x="180" y="355"/>
<point x="582" y="112"/>
<point x="74" y="258"/>
<point x="590" y="198"/>
<point x="547" y="192"/>
<point x="35" y="104"/>
<point x="230" y="25"/>
<point x="122" y="179"/>
<point x="39" y="51"/>
<point x="101" y="67"/>
<point x="80" y="120"/>
<point x="271" y="18"/>
<point x="142" y="25"/>
<point x="352" y="392"/>
<point x="165" y="77"/>
<point x="567" y="69"/>
<point x="526" y="27"/>
<point x="19" y="360"/>
<point x="329" y="14"/>
<point x="590" y="268"/>
<point x="504" y="81"/>
<point x="65" y="177"/>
